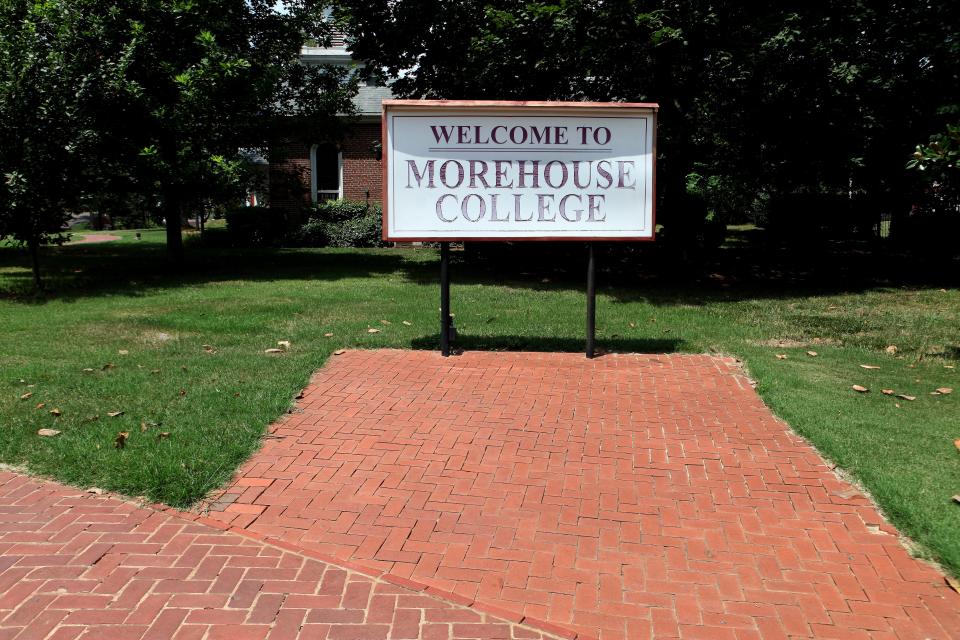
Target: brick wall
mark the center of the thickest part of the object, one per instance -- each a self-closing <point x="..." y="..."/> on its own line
<point x="362" y="172"/>
<point x="361" y="169"/>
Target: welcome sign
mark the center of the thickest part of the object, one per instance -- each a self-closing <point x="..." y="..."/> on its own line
<point x="477" y="170"/>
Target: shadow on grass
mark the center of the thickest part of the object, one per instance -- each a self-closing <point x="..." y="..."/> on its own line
<point x="548" y="344"/>
<point x="749" y="266"/>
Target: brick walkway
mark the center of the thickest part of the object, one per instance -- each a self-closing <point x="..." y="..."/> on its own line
<point x="628" y="497"/>
<point x="75" y="565"/>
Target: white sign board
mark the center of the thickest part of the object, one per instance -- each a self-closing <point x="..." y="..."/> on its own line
<point x="475" y="170"/>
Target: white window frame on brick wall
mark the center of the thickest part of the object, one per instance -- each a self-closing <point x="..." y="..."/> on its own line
<point x="314" y="191"/>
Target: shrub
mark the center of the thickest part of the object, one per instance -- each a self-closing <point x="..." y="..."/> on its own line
<point x="342" y="223"/>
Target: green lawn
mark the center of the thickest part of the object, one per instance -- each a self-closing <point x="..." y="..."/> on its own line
<point x="142" y="335"/>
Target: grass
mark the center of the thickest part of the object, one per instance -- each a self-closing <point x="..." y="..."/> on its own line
<point x="142" y="333"/>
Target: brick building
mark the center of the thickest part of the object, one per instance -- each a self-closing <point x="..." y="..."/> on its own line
<point x="303" y="172"/>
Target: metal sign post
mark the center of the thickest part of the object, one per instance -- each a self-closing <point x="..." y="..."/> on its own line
<point x="445" y="299"/>
<point x="591" y="301"/>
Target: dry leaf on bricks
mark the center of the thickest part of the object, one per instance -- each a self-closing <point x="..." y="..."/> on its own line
<point x="339" y="352"/>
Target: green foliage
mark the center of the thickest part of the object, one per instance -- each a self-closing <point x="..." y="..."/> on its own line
<point x="154" y="99"/>
<point x="342" y="223"/>
<point x="761" y="100"/>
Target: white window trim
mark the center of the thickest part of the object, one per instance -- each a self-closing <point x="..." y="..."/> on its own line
<point x="314" y="191"/>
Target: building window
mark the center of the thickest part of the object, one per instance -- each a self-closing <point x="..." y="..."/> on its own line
<point x="326" y="173"/>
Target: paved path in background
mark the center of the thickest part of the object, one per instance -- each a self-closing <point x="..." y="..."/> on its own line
<point x="628" y="497"/>
<point x="91" y="238"/>
<point x="76" y="565"/>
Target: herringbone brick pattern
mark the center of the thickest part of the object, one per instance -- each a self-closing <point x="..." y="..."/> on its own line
<point x="75" y="565"/>
<point x="628" y="497"/>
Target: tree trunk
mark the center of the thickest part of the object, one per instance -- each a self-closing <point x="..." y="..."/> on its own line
<point x="34" y="246"/>
<point x="171" y="210"/>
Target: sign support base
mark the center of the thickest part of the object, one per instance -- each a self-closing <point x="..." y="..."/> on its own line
<point x="591" y="301"/>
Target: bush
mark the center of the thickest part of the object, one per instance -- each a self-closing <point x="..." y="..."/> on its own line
<point x="342" y="223"/>
<point x="254" y="226"/>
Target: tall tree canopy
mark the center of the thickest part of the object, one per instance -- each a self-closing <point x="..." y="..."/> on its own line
<point x="154" y="97"/>
<point x="757" y="99"/>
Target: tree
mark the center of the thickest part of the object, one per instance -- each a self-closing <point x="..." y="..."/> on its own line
<point x="182" y="88"/>
<point x="43" y="125"/>
<point x="209" y="80"/>
<point x="757" y="100"/>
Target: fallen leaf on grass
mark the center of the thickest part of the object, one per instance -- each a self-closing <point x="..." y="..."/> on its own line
<point x="328" y="335"/>
<point x="781" y="356"/>
<point x="944" y="390"/>
<point x="56" y="413"/>
<point x="114" y="414"/>
<point x="372" y="330"/>
<point x="40" y="405"/>
<point x="869" y="366"/>
<point x="385" y="322"/>
<point x="143" y="427"/>
<point x="956" y="443"/>
<point x="953" y="584"/>
<point x="88" y="370"/>
<point x="299" y="396"/>
<point x="892" y="349"/>
<point x="339" y="352"/>
<point x="121" y="440"/>
<point x="163" y="435"/>
<point x="123" y="352"/>
<point x="27" y="395"/>
<point x="48" y="433"/>
<point x="906" y="397"/>
<point x="209" y="348"/>
<point x="408" y="323"/>
<point x="859" y="389"/>
<point x="887" y="392"/>
<point x="109" y="365"/>
<point x="154" y="371"/>
<point x="283" y="344"/>
<point x="273" y="350"/>
<point x="812" y="354"/>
